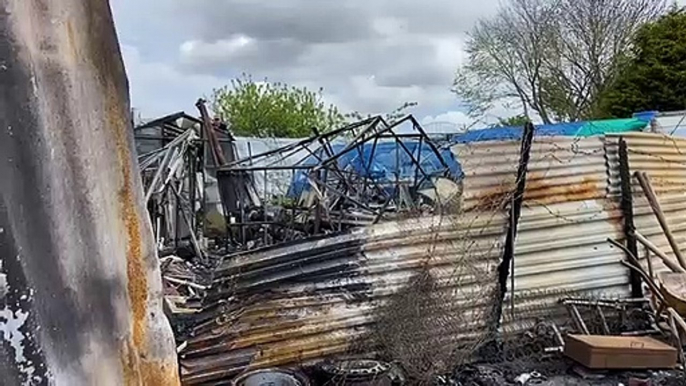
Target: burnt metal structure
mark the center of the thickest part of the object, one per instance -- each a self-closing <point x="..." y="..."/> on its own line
<point x="80" y="286"/>
<point x="627" y="206"/>
<point x="333" y="185"/>
<point x="177" y="154"/>
<point x="506" y="266"/>
<point x="170" y="181"/>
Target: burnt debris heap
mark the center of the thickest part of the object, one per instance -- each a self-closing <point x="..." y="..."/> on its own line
<point x="356" y="175"/>
<point x="285" y="258"/>
<point x="359" y="174"/>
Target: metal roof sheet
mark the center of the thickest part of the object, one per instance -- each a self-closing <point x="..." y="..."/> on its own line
<point x="663" y="158"/>
<point x="318" y="298"/>
<point x="566" y="217"/>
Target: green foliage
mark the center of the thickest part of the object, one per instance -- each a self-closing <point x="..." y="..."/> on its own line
<point x="517" y="120"/>
<point x="554" y="58"/>
<point x="655" y="76"/>
<point x="265" y="109"/>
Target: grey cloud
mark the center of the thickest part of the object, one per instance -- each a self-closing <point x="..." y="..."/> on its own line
<point x="392" y="64"/>
<point x="158" y="88"/>
<point x="407" y="76"/>
<point x="299" y="20"/>
<point x="439" y="16"/>
<point x="255" y="56"/>
<point x="368" y="55"/>
<point x="324" y="21"/>
<point x="395" y="63"/>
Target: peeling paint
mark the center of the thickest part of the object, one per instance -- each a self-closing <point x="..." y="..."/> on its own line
<point x="13" y="319"/>
<point x="85" y="289"/>
<point x="10" y="324"/>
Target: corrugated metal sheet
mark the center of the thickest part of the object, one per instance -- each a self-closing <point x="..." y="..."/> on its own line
<point x="490" y="173"/>
<point x="571" y="206"/>
<point x="319" y="298"/>
<point x="663" y="158"/>
<point x="567" y="215"/>
<point x="566" y="218"/>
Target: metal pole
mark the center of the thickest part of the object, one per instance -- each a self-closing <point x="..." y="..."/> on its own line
<point x="515" y="209"/>
<point x="627" y="206"/>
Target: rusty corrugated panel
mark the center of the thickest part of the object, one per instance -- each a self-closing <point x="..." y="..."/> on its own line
<point x="490" y="170"/>
<point x="663" y="158"/>
<point x="321" y="298"/>
<point x="80" y="291"/>
<point x="312" y="299"/>
<point x="567" y="216"/>
<point x="490" y="173"/>
<point x="490" y="178"/>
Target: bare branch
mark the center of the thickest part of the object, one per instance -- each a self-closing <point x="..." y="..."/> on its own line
<point x="555" y="56"/>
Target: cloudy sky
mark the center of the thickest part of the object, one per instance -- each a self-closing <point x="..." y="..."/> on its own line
<point x="368" y="55"/>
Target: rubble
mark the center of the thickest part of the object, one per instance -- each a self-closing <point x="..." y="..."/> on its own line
<point x="335" y="256"/>
<point x="354" y="176"/>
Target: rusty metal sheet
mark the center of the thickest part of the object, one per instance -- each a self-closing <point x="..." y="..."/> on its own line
<point x="561" y="169"/>
<point x="322" y="298"/>
<point x="566" y="218"/>
<point x="570" y="208"/>
<point x="80" y="291"/>
<point x="565" y="169"/>
<point x="561" y="246"/>
<point x="490" y="173"/>
<point x="663" y="158"/>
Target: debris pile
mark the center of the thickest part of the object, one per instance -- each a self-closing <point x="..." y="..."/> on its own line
<point x="185" y="287"/>
<point x="379" y="254"/>
<point x="320" y="298"/>
<point x="354" y="176"/>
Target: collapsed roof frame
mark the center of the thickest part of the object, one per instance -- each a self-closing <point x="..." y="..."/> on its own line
<point x="339" y="196"/>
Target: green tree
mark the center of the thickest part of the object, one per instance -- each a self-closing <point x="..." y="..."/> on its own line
<point x="655" y="76"/>
<point x="554" y="57"/>
<point x="517" y="120"/>
<point x="264" y="109"/>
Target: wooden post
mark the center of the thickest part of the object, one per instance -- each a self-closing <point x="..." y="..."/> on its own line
<point x="671" y="264"/>
<point x="644" y="180"/>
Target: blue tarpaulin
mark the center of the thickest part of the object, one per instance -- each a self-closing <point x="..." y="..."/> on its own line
<point x="573" y="129"/>
<point x="384" y="163"/>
